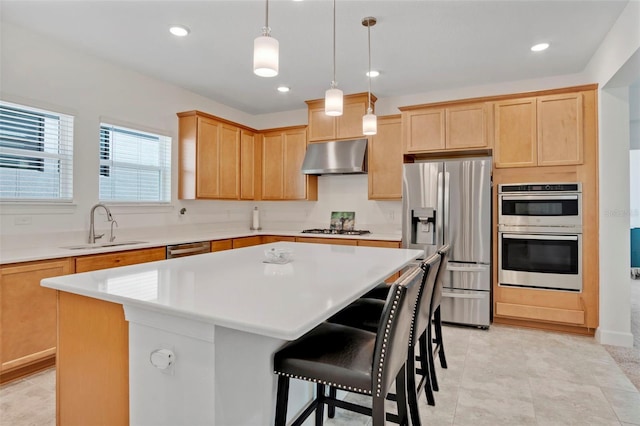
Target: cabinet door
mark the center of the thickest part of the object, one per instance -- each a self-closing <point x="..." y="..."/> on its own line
<point x="423" y="130"/>
<point x="295" y="146"/>
<point x="247" y="241"/>
<point x="515" y="133"/>
<point x="322" y="127"/>
<point x="466" y="126"/>
<point x="275" y="238"/>
<point x="349" y="124"/>
<point x="250" y="166"/>
<point x="272" y="166"/>
<point x="123" y="258"/>
<point x="207" y="158"/>
<point x="560" y="127"/>
<point x="229" y="162"/>
<point x="385" y="161"/>
<point x="28" y="313"/>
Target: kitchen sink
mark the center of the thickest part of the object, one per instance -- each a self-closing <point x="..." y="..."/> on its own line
<point x="89" y="246"/>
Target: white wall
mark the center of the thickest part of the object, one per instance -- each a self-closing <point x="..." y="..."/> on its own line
<point x="615" y="66"/>
<point x="634" y="188"/>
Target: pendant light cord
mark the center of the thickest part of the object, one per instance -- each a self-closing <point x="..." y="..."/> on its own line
<point x="369" y="43"/>
<point x="267" y="30"/>
<point x="333" y="83"/>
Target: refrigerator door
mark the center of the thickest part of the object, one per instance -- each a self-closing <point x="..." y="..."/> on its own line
<point x="467" y="276"/>
<point x="422" y="206"/>
<point x="466" y="307"/>
<point x="468" y="222"/>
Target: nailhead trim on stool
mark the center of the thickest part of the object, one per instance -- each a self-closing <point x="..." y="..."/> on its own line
<point x="309" y="379"/>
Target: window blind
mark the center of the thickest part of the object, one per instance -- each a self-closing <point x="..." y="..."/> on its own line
<point x="135" y="166"/>
<point x="36" y="154"/>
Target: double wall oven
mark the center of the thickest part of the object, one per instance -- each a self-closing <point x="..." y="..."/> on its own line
<point x="540" y="236"/>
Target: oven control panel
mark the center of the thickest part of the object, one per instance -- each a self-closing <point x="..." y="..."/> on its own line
<point x="540" y="187"/>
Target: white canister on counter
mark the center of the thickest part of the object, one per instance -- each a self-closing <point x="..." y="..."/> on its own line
<point x="255" y="220"/>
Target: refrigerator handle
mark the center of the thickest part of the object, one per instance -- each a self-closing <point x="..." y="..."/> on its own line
<point x="445" y="234"/>
<point x="440" y="216"/>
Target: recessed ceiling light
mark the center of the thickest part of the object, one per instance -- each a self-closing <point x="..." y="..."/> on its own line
<point x="539" y="47"/>
<point x="179" y="30"/>
<point x="283" y="89"/>
<point x="372" y="73"/>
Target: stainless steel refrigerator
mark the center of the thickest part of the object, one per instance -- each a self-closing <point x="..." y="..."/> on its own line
<point x="449" y="202"/>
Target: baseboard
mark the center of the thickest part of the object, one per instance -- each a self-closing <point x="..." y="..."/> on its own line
<point x="614" y="338"/>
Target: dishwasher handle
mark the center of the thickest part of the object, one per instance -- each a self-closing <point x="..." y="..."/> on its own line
<point x="180" y="250"/>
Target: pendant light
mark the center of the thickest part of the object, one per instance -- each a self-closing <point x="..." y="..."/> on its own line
<point x="333" y="96"/>
<point x="369" y="120"/>
<point x="265" y="51"/>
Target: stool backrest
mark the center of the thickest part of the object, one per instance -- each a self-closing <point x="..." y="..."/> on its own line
<point x="394" y="330"/>
<point x="423" y="313"/>
<point x="442" y="270"/>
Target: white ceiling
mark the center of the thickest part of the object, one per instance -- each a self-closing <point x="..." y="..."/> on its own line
<point x="418" y="46"/>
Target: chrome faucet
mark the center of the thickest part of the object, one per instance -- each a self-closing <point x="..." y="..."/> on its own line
<point x="92" y="233"/>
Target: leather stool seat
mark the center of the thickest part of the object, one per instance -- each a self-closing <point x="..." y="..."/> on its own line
<point x="363" y="313"/>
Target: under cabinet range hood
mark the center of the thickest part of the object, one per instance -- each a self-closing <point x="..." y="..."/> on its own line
<point x="336" y="157"/>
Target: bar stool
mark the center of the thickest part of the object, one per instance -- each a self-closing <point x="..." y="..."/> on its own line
<point x="353" y="359"/>
<point x="436" y="344"/>
<point x="366" y="314"/>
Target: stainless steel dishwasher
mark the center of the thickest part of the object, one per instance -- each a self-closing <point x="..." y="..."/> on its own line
<point x="188" y="249"/>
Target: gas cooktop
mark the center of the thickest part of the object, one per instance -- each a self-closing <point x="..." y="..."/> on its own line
<point x="336" y="231"/>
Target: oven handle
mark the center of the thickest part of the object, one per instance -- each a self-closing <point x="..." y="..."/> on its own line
<point x="538" y="197"/>
<point x="540" y="237"/>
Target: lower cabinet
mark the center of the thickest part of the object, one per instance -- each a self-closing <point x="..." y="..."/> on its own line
<point x="28" y="317"/>
<point x="334" y="241"/>
<point x="247" y="241"/>
<point x="221" y="245"/>
<point x="97" y="327"/>
<point x="276" y="238"/>
<point x="123" y="258"/>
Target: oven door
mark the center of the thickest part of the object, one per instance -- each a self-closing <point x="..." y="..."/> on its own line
<point x="549" y="261"/>
<point x="540" y="210"/>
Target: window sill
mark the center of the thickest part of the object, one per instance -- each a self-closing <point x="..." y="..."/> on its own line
<point x="36" y="207"/>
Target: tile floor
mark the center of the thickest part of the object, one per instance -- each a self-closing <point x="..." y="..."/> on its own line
<point x="503" y="376"/>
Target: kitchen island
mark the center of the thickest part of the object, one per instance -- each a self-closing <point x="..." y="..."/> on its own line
<point x="221" y="316"/>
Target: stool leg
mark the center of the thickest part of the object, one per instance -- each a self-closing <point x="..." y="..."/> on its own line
<point x="432" y="364"/>
<point x="320" y="404"/>
<point x="438" y="327"/>
<point x="426" y="369"/>
<point x="412" y="392"/>
<point x="401" y="392"/>
<point x="378" y="412"/>
<point x="281" y="400"/>
<point x="331" y="409"/>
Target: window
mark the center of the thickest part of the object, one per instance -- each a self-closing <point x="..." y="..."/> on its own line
<point x="36" y="154"/>
<point x="135" y="166"/>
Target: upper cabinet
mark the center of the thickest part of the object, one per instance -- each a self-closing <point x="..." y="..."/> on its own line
<point x="283" y="151"/>
<point x="445" y="127"/>
<point x="323" y="127"/>
<point x="385" y="160"/>
<point x="210" y="158"/>
<point x="539" y="131"/>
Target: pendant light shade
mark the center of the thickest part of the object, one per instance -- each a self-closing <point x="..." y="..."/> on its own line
<point x="333" y="96"/>
<point x="333" y="101"/>
<point x="266" y="51"/>
<point x="369" y="123"/>
<point x="265" y="56"/>
<point x="369" y="120"/>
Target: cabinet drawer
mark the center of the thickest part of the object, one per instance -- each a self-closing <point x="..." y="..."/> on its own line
<point x="334" y="241"/>
<point x="112" y="260"/>
<point x="566" y="316"/>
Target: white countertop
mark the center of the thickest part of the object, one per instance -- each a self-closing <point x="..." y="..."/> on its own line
<point x="235" y="289"/>
<point x="49" y="249"/>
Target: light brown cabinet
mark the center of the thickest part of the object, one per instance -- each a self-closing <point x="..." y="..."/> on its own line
<point x="283" y="151"/>
<point x="323" y="127"/>
<point x="221" y="245"/>
<point x="123" y="258"/>
<point x="247" y="241"/>
<point x="539" y="131"/>
<point x="385" y="160"/>
<point x="320" y="240"/>
<point x="28" y="316"/>
<point x="445" y="128"/>
<point x="250" y="165"/>
<point x="211" y="151"/>
<point x="276" y="238"/>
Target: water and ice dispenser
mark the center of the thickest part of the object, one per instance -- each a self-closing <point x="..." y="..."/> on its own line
<point x="423" y="226"/>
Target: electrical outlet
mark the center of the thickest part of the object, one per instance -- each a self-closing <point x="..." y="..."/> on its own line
<point x="22" y="220"/>
<point x="391" y="214"/>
